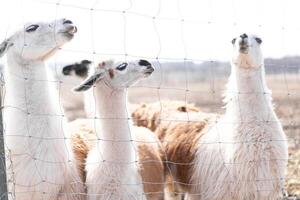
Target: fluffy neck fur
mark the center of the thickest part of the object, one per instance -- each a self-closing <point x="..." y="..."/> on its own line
<point x="247" y="95"/>
<point x="114" y="125"/>
<point x="30" y="87"/>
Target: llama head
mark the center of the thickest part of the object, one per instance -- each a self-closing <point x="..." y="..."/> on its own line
<point x="79" y="69"/>
<point x="40" y="40"/>
<point x="117" y="75"/>
<point x="247" y="52"/>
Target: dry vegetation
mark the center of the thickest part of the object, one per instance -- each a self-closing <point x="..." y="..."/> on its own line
<point x="208" y="96"/>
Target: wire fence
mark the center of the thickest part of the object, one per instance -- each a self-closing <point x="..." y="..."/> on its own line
<point x="176" y="77"/>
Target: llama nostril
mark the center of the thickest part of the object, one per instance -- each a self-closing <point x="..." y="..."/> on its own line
<point x="66" y="21"/>
<point x="144" y="63"/>
<point x="244" y="36"/>
<point x="150" y="67"/>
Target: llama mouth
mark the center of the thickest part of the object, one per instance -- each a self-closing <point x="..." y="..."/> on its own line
<point x="70" y="32"/>
<point x="148" y="72"/>
<point x="243" y="49"/>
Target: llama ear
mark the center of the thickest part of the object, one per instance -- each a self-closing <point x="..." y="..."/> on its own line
<point x="89" y="82"/>
<point x="67" y="69"/>
<point x="4" y="46"/>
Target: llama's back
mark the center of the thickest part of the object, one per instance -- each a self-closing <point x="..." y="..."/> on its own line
<point x="150" y="163"/>
<point x="179" y="138"/>
<point x="83" y="139"/>
<point x="150" y="115"/>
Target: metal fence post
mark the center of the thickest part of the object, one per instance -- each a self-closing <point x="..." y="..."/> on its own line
<point x="3" y="183"/>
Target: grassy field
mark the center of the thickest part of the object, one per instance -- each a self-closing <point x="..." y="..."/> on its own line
<point x="208" y="96"/>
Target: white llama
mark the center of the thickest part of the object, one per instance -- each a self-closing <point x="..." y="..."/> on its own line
<point x="117" y="165"/>
<point x="244" y="155"/>
<point x="239" y="156"/>
<point x="38" y="156"/>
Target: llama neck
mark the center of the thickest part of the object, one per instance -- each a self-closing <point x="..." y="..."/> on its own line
<point x="31" y="110"/>
<point x="114" y="125"/>
<point x="248" y="97"/>
<point x="30" y="88"/>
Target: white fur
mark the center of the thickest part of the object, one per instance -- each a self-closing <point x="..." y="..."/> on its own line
<point x="112" y="171"/>
<point x="37" y="153"/>
<point x="244" y="155"/>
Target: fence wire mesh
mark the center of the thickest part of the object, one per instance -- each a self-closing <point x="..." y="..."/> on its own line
<point x="184" y="49"/>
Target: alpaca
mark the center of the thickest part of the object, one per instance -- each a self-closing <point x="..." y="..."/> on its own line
<point x="38" y="156"/>
<point x="241" y="155"/>
<point x="150" y="115"/>
<point x="125" y="162"/>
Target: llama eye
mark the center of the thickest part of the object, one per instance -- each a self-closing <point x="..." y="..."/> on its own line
<point x="233" y="40"/>
<point x="122" y="66"/>
<point x="258" y="40"/>
<point x="31" y="28"/>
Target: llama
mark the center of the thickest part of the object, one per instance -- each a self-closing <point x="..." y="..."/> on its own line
<point x="38" y="156"/>
<point x="248" y="145"/>
<point x="125" y="162"/>
<point x="150" y="115"/>
<point x="241" y="155"/>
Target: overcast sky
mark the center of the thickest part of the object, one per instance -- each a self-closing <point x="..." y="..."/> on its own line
<point x="194" y="29"/>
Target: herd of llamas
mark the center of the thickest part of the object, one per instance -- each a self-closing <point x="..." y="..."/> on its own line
<point x="181" y="153"/>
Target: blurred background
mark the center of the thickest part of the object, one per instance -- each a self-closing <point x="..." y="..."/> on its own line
<point x="188" y="42"/>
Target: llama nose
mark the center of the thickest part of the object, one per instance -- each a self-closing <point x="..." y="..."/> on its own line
<point x="243" y="41"/>
<point x="244" y="36"/>
<point x="66" y="21"/>
<point x="144" y="63"/>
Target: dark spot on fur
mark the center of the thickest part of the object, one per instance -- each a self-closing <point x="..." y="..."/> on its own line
<point x="80" y="69"/>
<point x="111" y="73"/>
<point x="32" y="28"/>
<point x="258" y="40"/>
<point x="233" y="40"/>
<point x="122" y="66"/>
<point x="244" y="36"/>
<point x="88" y="83"/>
<point x="67" y="69"/>
<point x="66" y="21"/>
<point x="182" y="109"/>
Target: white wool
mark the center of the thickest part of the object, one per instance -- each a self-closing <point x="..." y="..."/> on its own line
<point x="244" y="155"/>
<point x="37" y="152"/>
<point x="112" y="171"/>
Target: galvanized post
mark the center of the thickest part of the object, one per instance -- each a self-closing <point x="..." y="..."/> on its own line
<point x="3" y="180"/>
